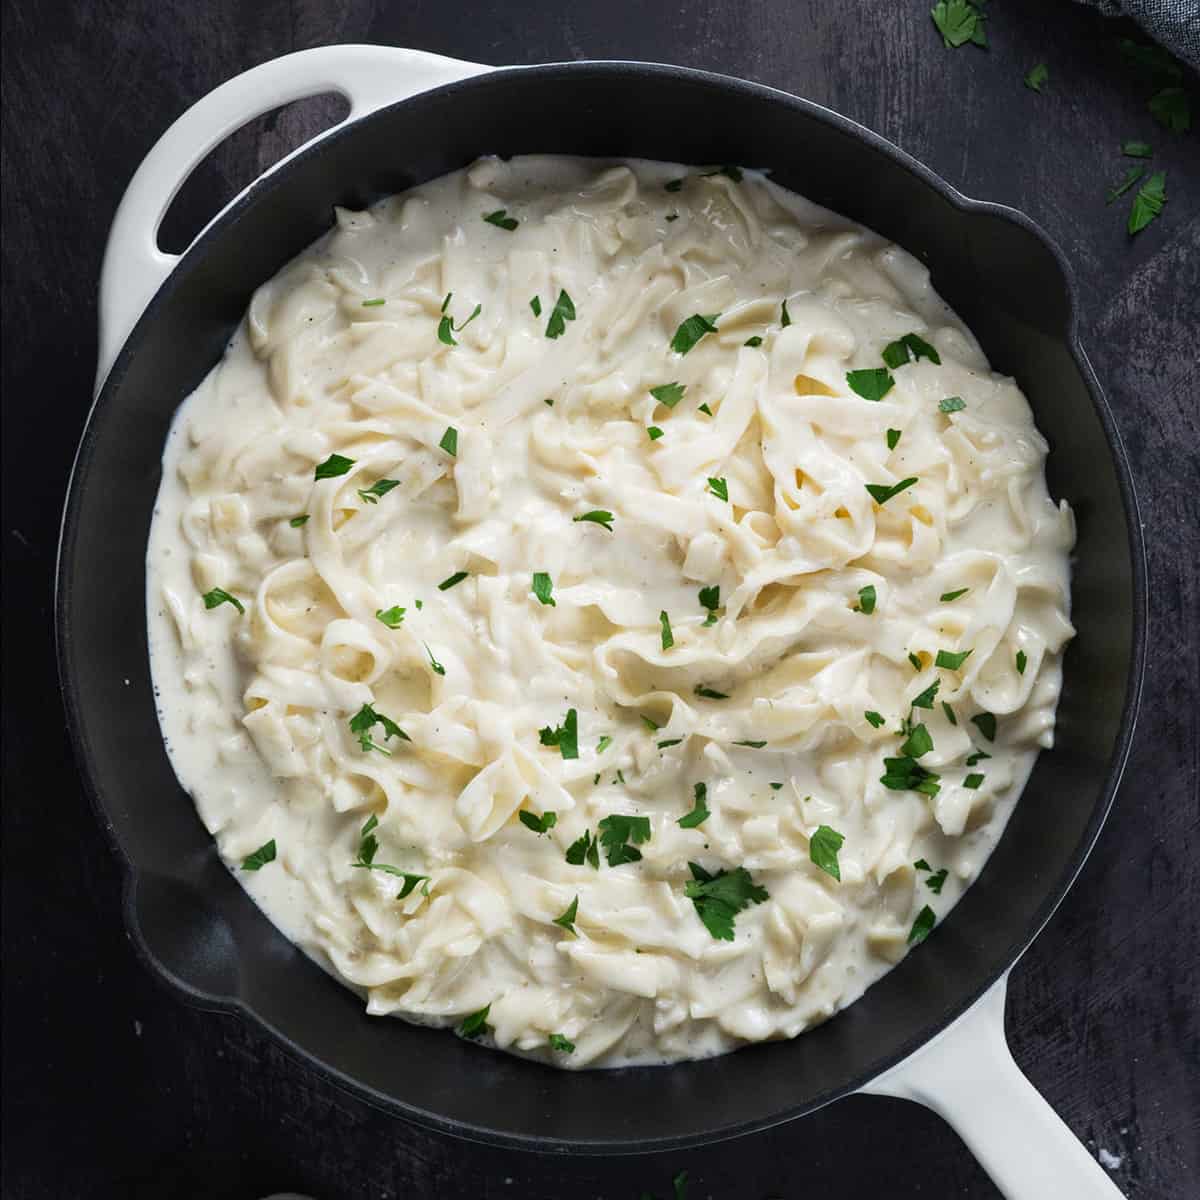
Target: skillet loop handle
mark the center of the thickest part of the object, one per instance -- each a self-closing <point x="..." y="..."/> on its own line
<point x="369" y="77"/>
<point x="968" y="1076"/>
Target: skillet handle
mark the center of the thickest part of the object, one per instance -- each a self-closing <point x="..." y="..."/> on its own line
<point x="369" y="77"/>
<point x="968" y="1076"/>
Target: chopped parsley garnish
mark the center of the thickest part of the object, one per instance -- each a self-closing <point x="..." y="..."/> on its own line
<point x="1172" y="109"/>
<point x="617" y="832"/>
<point x="734" y="173"/>
<point x="564" y="736"/>
<point x="604" y="743"/>
<point x="543" y="585"/>
<point x="866" y="600"/>
<point x="719" y="488"/>
<point x="881" y="493"/>
<point x="567" y="917"/>
<point x="752" y="745"/>
<point x="823" y="849"/>
<point x="452" y="581"/>
<point x="220" y="596"/>
<point x="653" y="432"/>
<point x="874" y="719"/>
<point x="692" y="330"/>
<point x="917" y="743"/>
<point x="925" y="698"/>
<point x="548" y="403"/>
<point x="536" y="305"/>
<point x="296" y="522"/>
<point x="708" y="693"/>
<point x="946" y="597"/>
<point x="449" y="441"/>
<point x="872" y="383"/>
<point x="719" y="898"/>
<point x="673" y="185"/>
<point x="754" y="341"/>
<point x="985" y="722"/>
<point x="561" y="1044"/>
<point x="368" y="846"/>
<point x="446" y="326"/>
<point x="959" y="22"/>
<point x="949" y="713"/>
<point x="710" y="599"/>
<point x="922" y="865"/>
<point x="380" y="487"/>
<point x="437" y="667"/>
<point x="699" y="813"/>
<point x="476" y="1023"/>
<point x="650" y="723"/>
<point x="972" y="781"/>
<point x="501" y="219"/>
<point x="1137" y="150"/>
<point x="563" y="311"/>
<point x="333" y="466"/>
<point x="704" y="409"/>
<point x="598" y="516"/>
<point x="915" y="661"/>
<point x="775" y="786"/>
<point x="542" y="824"/>
<point x="668" y="638"/>
<point x="263" y="855"/>
<point x="669" y="742"/>
<point x="1037" y="77"/>
<point x="373" y="303"/>
<point x="906" y="774"/>
<point x="951" y="661"/>
<point x="893" y="438"/>
<point x="977" y="756"/>
<point x="366" y="719"/>
<point x="921" y="926"/>
<point x="909" y="348"/>
<point x="391" y="617"/>
<point x="952" y="404"/>
<point x="936" y="881"/>
<point x="1022" y="662"/>
<point x="785" y="318"/>
<point x="1148" y="203"/>
<point x="669" y="394"/>
<point x="584" y="849"/>
<point x="1131" y="177"/>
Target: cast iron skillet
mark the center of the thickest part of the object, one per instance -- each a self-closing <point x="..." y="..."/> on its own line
<point x="193" y="923"/>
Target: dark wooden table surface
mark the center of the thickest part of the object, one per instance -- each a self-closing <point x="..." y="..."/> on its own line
<point x="113" y="1087"/>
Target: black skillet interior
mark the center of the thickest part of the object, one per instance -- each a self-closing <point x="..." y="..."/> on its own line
<point x="191" y="919"/>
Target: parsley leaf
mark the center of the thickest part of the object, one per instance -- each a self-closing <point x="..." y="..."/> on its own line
<point x="909" y="348"/>
<point x="446" y="326"/>
<point x="951" y="662"/>
<point x="366" y="719"/>
<point x="617" y="831"/>
<point x="565" y="736"/>
<point x="1172" y="109"/>
<point x="872" y="383"/>
<point x="669" y="394"/>
<point x="476" y="1023"/>
<point x="708" y="412"/>
<point x="669" y="742"/>
<point x="916" y="662"/>
<point x="692" y="330"/>
<point x="542" y="824"/>
<point x="452" y="581"/>
<point x="881" y="493"/>
<point x="1131" y="177"/>
<point x="368" y="844"/>
<point x="973" y="780"/>
<point x="906" y="774"/>
<point x="603" y="744"/>
<point x="1022" y="662"/>
<point x="754" y="341"/>
<point x="719" y="898"/>
<point x="561" y="1044"/>
<point x="893" y="438"/>
<point x="449" y="441"/>
<point x="333" y="466"/>
<point x="373" y="303"/>
<point x="653" y="432"/>
<point x="220" y="596"/>
<point x="1137" y="150"/>
<point x="708" y="693"/>
<point x="936" y="881"/>
<point x="501" y="219"/>
<point x="925" y="698"/>
<point x="1148" y="203"/>
<point x="536" y="306"/>
<point x="668" y="638"/>
<point x="436" y="666"/>
<point x="946" y="597"/>
<point x="380" y="487"/>
<point x="959" y="22"/>
<point x="391" y="617"/>
<point x="296" y="522"/>
<point x="949" y="713"/>
<point x="699" y="813"/>
<point x="752" y="745"/>
<point x="977" y="756"/>
<point x="584" y="849"/>
<point x="823" y="849"/>
<point x="543" y="585"/>
<point x="917" y="743"/>
<point x="563" y="311"/>
<point x="719" y="488"/>
<point x="985" y="722"/>
<point x="263" y="855"/>
<point x="598" y="516"/>
<point x="921" y="926"/>
<point x="866" y="600"/>
<point x="874" y="719"/>
<point x="922" y="865"/>
<point x="952" y="404"/>
<point x="710" y="599"/>
<point x="785" y="317"/>
<point x="1037" y="77"/>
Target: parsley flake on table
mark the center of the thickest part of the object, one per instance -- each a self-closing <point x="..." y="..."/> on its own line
<point x="719" y="898"/>
<point x="699" y="813"/>
<point x="866" y="600"/>
<point x="669" y="394"/>
<point x="692" y="330"/>
<point x="921" y="927"/>
<point x="719" y="488"/>
<point x="881" y="493"/>
<point x="391" y="617"/>
<point x="476" y="1023"/>
<point x="710" y="599"/>
<point x="959" y="22"/>
<point x="452" y="581"/>
<point x="909" y="348"/>
<point x="823" y="849"/>
<point x="563" y="311"/>
<point x="874" y="719"/>
<point x="543" y="585"/>
<point x="542" y="824"/>
<point x="260" y="857"/>
<point x="1036" y="79"/>
<point x="1137" y="150"/>
<point x="1172" y="109"/>
<point x="871" y="383"/>
<point x="446" y="326"/>
<point x="564" y="736"/>
<point x="561" y="1044"/>
<point x="1148" y="203"/>
<point x="584" y="849"/>
<point x="598" y="516"/>
<point x="668" y="638"/>
<point x="618" y="834"/>
<point x="501" y="219"/>
<point x="218" y="596"/>
<point x="333" y="466"/>
<point x="380" y="487"/>
<point x="951" y="661"/>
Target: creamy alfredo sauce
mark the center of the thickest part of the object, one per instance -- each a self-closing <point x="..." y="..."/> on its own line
<point x="402" y="665"/>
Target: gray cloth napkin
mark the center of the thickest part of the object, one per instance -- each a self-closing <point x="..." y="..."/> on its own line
<point x="1174" y="23"/>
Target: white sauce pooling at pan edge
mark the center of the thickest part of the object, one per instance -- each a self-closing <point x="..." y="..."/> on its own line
<point x="256" y="708"/>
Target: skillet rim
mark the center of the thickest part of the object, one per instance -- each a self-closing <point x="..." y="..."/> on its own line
<point x="67" y="653"/>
